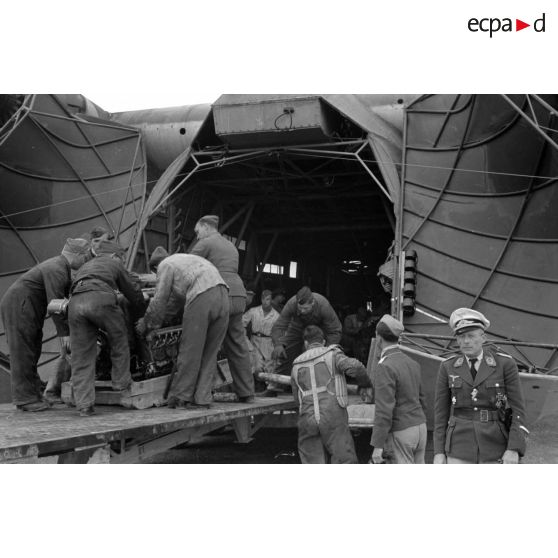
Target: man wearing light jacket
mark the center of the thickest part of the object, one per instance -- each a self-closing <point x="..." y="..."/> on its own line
<point x="399" y="419"/>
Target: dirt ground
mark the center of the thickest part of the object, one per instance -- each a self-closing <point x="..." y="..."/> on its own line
<point x="279" y="446"/>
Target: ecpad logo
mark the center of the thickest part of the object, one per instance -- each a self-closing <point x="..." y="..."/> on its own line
<point x="492" y="25"/>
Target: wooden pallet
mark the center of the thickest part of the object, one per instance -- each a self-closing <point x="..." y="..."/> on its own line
<point x="147" y="393"/>
<point x="141" y="395"/>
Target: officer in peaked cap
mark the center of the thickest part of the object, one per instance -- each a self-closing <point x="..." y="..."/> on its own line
<point x="465" y="319"/>
<point x="479" y="406"/>
<point x="399" y="420"/>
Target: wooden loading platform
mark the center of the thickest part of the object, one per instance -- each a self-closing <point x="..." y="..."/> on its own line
<point x="118" y="435"/>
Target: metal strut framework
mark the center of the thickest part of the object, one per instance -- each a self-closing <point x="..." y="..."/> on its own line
<point x="476" y="203"/>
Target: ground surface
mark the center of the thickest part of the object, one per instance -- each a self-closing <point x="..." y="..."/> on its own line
<point x="269" y="446"/>
<point x="279" y="446"/>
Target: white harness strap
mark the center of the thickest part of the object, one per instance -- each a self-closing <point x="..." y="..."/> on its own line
<point x="315" y="400"/>
<point x="309" y="360"/>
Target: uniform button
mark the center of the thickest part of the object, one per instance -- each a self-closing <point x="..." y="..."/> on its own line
<point x="475" y="409"/>
<point x="497" y="385"/>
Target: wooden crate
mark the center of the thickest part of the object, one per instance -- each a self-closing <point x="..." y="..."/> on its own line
<point x="144" y="394"/>
<point x="141" y="395"/>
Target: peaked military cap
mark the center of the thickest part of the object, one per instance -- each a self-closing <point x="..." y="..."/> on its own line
<point x="466" y="319"/>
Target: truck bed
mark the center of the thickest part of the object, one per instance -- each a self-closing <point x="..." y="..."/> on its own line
<point x="31" y="437"/>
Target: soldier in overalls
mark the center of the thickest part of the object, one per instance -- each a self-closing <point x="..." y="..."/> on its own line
<point x="479" y="407"/>
<point x="23" y="309"/>
<point x="93" y="306"/>
<point x="319" y="387"/>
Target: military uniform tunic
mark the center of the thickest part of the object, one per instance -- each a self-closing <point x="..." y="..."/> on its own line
<point x="289" y="327"/>
<point x="400" y="400"/>
<point x="93" y="306"/>
<point x="468" y="411"/>
<point x="222" y="253"/>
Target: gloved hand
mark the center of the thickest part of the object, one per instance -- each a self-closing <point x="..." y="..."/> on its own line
<point x="279" y="353"/>
<point x="65" y="342"/>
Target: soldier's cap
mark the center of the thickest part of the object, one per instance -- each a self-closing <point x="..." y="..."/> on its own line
<point x="97" y="232"/>
<point x="304" y="296"/>
<point x="158" y="255"/>
<point x="386" y="269"/>
<point x="108" y="247"/>
<point x="211" y="220"/>
<point x="76" y="246"/>
<point x="466" y="319"/>
<point x="389" y="325"/>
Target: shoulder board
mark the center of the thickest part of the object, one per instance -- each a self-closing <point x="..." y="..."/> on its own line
<point x="505" y="355"/>
<point x="450" y="358"/>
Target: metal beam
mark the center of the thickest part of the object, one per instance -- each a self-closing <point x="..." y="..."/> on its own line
<point x="233" y="219"/>
<point x="267" y="254"/>
<point x="249" y="211"/>
<point x="325" y="228"/>
<point x="532" y="121"/>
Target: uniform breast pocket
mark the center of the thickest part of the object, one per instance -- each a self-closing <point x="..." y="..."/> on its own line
<point x="495" y="389"/>
<point x="455" y="384"/>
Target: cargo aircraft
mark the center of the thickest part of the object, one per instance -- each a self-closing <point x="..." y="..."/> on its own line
<point x="413" y="204"/>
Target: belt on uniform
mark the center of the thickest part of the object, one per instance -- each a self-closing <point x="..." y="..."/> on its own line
<point x="261" y="335"/>
<point x="98" y="284"/>
<point x="480" y="415"/>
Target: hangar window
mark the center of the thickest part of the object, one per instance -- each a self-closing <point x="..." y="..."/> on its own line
<point x="292" y="270"/>
<point x="273" y="269"/>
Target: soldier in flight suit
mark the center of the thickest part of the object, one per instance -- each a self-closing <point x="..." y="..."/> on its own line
<point x="473" y="391"/>
<point x="319" y="386"/>
<point x="23" y="309"/>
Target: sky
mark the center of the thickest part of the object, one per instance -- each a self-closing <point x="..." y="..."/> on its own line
<point x="128" y="56"/>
